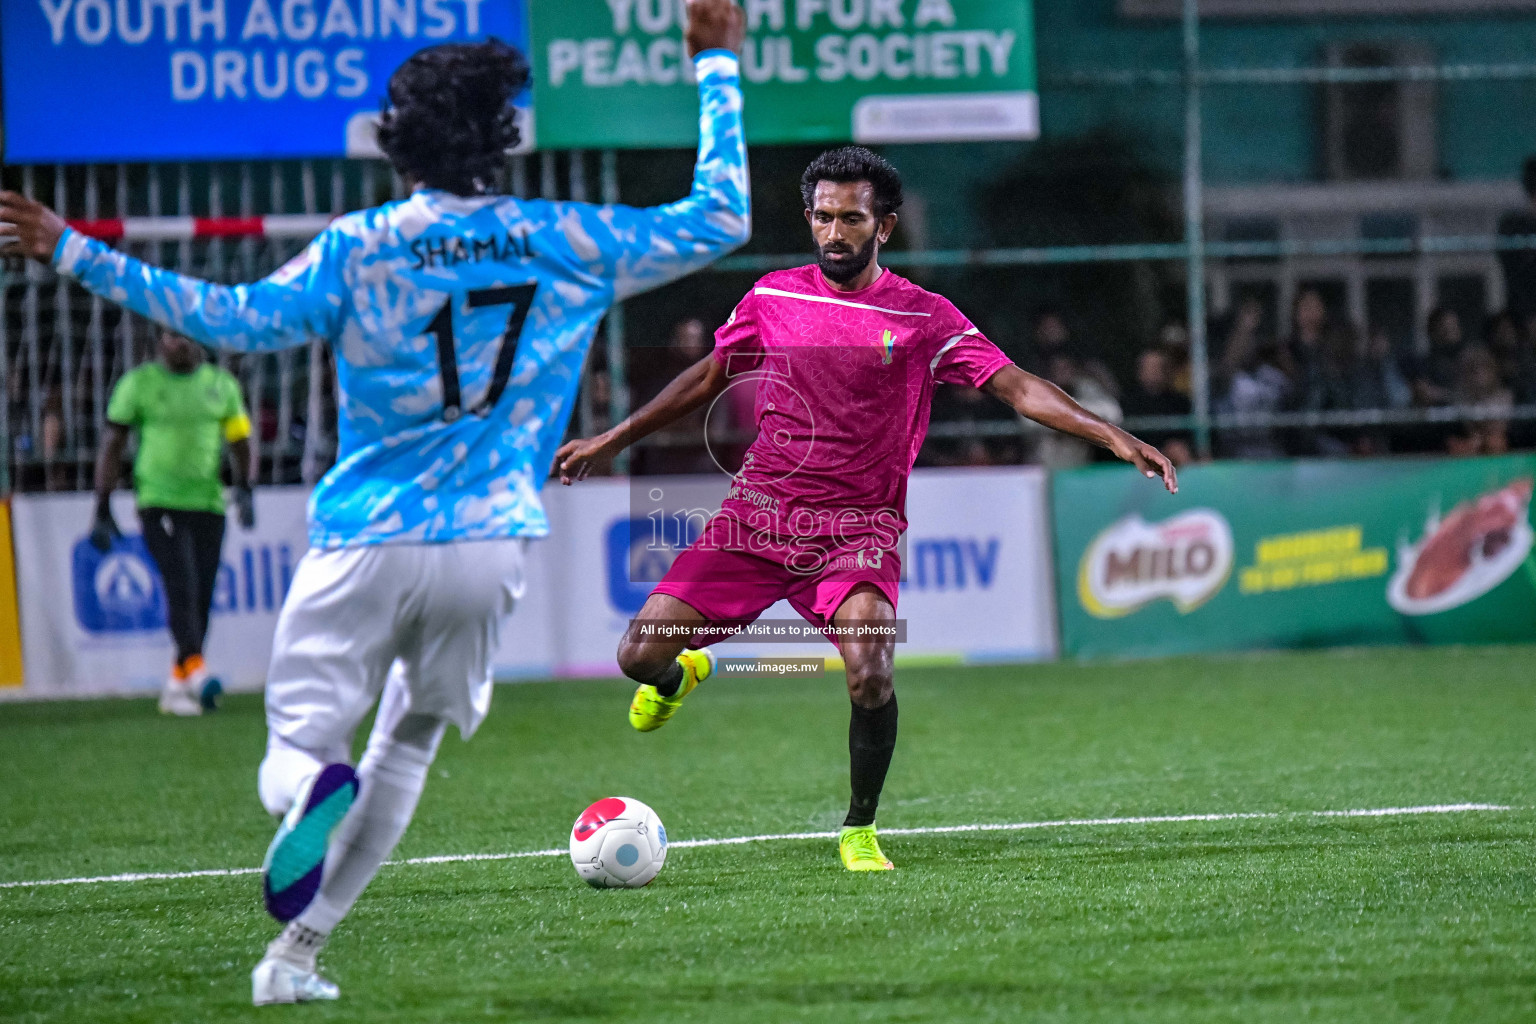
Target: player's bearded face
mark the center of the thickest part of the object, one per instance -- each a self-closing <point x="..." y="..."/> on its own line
<point x="841" y="262"/>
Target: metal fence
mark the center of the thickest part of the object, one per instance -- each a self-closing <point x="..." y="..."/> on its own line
<point x="61" y="348"/>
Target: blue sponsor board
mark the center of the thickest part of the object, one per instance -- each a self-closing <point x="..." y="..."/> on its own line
<point x="952" y="563"/>
<point x="109" y="80"/>
<point x="120" y="590"/>
<point x="640" y="551"/>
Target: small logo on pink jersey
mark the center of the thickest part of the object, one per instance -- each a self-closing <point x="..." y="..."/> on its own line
<point x="887" y="346"/>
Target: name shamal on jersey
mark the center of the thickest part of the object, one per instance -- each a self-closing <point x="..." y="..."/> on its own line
<point x="449" y="252"/>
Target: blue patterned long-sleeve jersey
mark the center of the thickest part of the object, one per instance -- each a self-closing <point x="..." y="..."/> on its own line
<point x="459" y="326"/>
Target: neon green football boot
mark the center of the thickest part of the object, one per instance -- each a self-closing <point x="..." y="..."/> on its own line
<point x="650" y="710"/>
<point x="861" y="850"/>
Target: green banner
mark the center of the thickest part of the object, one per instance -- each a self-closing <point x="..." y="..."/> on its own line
<point x="613" y="74"/>
<point x="1296" y="554"/>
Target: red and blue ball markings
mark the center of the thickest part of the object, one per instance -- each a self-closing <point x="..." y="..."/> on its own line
<point x="598" y="815"/>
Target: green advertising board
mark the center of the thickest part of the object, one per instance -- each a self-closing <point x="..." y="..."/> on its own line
<point x="612" y="73"/>
<point x="1296" y="554"/>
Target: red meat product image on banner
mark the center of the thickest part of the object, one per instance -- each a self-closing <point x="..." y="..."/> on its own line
<point x="1476" y="547"/>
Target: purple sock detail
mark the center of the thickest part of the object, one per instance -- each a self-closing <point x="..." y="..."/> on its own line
<point x="303" y="848"/>
<point x="294" y="900"/>
<point x="332" y="777"/>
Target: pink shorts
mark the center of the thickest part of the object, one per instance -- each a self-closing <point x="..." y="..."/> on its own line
<point x="731" y="584"/>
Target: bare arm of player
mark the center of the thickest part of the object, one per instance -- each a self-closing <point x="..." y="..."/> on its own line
<point x="1045" y="403"/>
<point x="643" y="248"/>
<point x="702" y="382"/>
<point x="299" y="302"/>
<point x="109" y="462"/>
<point x="242" y="462"/>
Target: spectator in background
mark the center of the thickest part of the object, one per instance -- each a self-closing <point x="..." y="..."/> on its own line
<point x="689" y="342"/>
<point x="1519" y="265"/>
<point x="1324" y="372"/>
<point x="1303" y="350"/>
<point x="973" y="413"/>
<point x="56" y="475"/>
<point x="1528" y="335"/>
<point x="1478" y="385"/>
<point x="1252" y="382"/>
<point x="1515" y="348"/>
<point x="1055" y="450"/>
<point x="1316" y="370"/>
<point x="1434" y="377"/>
<point x="1506" y="339"/>
<point x="974" y="452"/>
<point x="654" y="365"/>
<point x="1436" y="374"/>
<point x="1377" y="381"/>
<point x="1239" y="336"/>
<point x="1154" y="394"/>
<point x="1173" y="340"/>
<point x="1051" y="338"/>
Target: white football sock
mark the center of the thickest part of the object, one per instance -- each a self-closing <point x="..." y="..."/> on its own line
<point x="391" y="777"/>
<point x="298" y="945"/>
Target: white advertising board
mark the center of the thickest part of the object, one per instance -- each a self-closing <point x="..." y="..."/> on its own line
<point x="95" y="623"/>
<point x="977" y="584"/>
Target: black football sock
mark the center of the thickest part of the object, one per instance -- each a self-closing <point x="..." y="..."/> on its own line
<point x="669" y="680"/>
<point x="871" y="741"/>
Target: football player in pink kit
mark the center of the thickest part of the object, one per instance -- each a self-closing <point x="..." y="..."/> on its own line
<point x="844" y="355"/>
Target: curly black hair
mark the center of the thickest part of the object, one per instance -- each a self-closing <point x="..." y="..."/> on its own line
<point x="855" y="163"/>
<point x="449" y="121"/>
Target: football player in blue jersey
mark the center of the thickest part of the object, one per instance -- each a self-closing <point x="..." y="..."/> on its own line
<point x="460" y="321"/>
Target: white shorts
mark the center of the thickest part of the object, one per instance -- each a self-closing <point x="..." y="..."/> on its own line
<point x="426" y="617"/>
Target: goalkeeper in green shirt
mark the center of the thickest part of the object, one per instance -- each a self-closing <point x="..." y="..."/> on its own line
<point x="184" y="411"/>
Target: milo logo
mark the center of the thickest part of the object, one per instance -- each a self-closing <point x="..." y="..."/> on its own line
<point x="1132" y="563"/>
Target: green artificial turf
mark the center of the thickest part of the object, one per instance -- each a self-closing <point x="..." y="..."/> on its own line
<point x="1289" y="918"/>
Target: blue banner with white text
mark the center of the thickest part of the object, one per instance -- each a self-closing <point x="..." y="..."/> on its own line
<point x="146" y="80"/>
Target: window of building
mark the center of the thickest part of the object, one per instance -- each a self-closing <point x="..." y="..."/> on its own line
<point x="1375" y="131"/>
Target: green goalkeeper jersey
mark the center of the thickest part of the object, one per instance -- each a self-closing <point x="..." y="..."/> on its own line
<point x="183" y="420"/>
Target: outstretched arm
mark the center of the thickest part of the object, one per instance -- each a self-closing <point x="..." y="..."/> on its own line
<point x="299" y="302"/>
<point x="1047" y="404"/>
<point x="643" y="248"/>
<point x="700" y="383"/>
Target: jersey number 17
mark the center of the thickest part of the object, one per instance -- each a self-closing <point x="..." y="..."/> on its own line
<point x="520" y="298"/>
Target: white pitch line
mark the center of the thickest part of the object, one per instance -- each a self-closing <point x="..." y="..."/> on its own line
<point x="1020" y="826"/>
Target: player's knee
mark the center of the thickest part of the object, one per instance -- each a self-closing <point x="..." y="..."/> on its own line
<point x="419" y="733"/>
<point x="870" y="685"/>
<point x="282" y="774"/>
<point x="274" y="789"/>
<point x="642" y="662"/>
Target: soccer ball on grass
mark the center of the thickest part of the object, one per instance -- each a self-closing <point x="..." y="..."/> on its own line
<point x="618" y="843"/>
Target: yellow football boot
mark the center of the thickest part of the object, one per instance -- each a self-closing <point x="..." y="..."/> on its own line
<point x="861" y="850"/>
<point x="650" y="710"/>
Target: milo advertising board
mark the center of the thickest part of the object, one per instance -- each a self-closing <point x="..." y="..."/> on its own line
<point x="1296" y="554"/>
